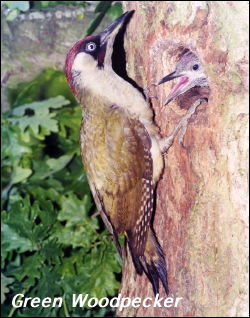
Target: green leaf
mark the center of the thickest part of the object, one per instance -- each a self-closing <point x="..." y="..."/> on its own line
<point x="40" y="115"/>
<point x="44" y="120"/>
<point x="44" y="3"/>
<point x="95" y="23"/>
<point x="79" y="229"/>
<point x="20" y="174"/>
<point x="5" y="281"/>
<point x="20" y="5"/>
<point x="26" y="93"/>
<point x="92" y="271"/>
<point x="58" y="163"/>
<point x="57" y="85"/>
<point x="11" y="240"/>
<point x="52" y="252"/>
<point x="103" y="6"/>
<point x="13" y="146"/>
<point x="86" y="272"/>
<point x="12" y="15"/>
<point x="50" y="83"/>
<point x="115" y="11"/>
<point x="42" y="193"/>
<point x="48" y="167"/>
<point x="32" y="222"/>
<point x="18" y="217"/>
<point x="45" y="288"/>
<point x="74" y="211"/>
<point x="41" y="107"/>
<point x="29" y="271"/>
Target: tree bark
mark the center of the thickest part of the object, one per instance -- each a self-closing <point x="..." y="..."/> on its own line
<point x="202" y="198"/>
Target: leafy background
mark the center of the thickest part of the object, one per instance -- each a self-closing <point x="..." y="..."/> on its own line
<point x="52" y="245"/>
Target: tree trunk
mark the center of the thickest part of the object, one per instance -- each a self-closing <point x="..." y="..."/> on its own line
<point x="202" y="198"/>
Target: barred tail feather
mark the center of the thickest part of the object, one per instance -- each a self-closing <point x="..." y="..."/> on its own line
<point x="152" y="263"/>
<point x="135" y="259"/>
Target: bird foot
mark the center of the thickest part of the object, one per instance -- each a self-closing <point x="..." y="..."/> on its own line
<point x="96" y="214"/>
<point x="165" y="143"/>
<point x="147" y="92"/>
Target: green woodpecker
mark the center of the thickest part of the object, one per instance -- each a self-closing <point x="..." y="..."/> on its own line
<point x="120" y="147"/>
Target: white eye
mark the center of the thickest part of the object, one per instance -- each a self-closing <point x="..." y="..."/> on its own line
<point x="90" y="47"/>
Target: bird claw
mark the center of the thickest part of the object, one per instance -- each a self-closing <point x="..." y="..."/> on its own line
<point x="166" y="142"/>
<point x="183" y="132"/>
<point x="149" y="86"/>
<point x="95" y="214"/>
<point x="147" y="91"/>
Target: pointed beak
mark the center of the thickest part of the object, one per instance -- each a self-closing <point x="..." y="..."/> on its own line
<point x="115" y="26"/>
<point x="179" y="87"/>
<point x="168" y="78"/>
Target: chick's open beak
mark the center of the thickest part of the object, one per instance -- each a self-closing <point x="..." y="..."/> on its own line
<point x="178" y="88"/>
<point x="168" y="78"/>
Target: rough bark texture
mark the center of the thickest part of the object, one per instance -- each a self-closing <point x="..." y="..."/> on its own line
<point x="202" y="198"/>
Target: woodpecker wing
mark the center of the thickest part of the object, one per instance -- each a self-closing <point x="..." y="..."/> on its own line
<point x="122" y="175"/>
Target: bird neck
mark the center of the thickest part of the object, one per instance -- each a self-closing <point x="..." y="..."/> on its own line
<point x="104" y="88"/>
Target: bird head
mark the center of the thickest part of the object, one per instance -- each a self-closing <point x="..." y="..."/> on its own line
<point x="189" y="72"/>
<point x="93" y="53"/>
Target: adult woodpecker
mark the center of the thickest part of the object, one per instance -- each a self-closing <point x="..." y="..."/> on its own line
<point x="120" y="147"/>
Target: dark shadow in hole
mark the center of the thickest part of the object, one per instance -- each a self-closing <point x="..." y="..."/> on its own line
<point x="119" y="58"/>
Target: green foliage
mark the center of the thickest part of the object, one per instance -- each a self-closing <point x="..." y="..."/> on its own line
<point x="115" y="11"/>
<point x="112" y="8"/>
<point x="103" y="8"/>
<point x="51" y="246"/>
<point x="15" y="7"/>
<point x="49" y="4"/>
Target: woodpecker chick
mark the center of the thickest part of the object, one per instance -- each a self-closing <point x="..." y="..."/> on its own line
<point x="120" y="148"/>
<point x="190" y="73"/>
